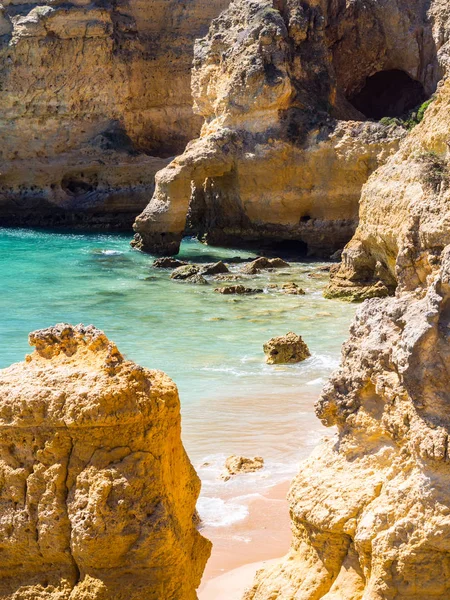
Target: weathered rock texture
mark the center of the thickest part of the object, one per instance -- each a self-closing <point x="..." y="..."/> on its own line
<point x="97" y="495"/>
<point x="286" y="349"/>
<point x="404" y="211"/>
<point x="238" y="465"/>
<point x="283" y="153"/>
<point x="95" y="97"/>
<point x="370" y="508"/>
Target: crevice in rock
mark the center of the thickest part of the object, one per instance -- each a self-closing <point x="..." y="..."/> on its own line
<point x="69" y="536"/>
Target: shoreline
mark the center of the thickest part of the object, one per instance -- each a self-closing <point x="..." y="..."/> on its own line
<point x="240" y="549"/>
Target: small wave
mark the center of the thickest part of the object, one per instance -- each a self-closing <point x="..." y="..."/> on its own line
<point x="111" y="252"/>
<point x="318" y="381"/>
<point x="216" y="512"/>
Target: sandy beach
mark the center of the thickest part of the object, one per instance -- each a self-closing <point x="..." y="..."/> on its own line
<point x="241" y="549"/>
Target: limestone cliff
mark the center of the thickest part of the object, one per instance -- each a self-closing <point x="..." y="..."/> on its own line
<point x="405" y="205"/>
<point x="370" y="507"/>
<point x="284" y="88"/>
<point x="95" y="96"/>
<point x="97" y="495"/>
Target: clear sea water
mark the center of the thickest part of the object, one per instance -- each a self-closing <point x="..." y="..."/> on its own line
<point x="210" y="344"/>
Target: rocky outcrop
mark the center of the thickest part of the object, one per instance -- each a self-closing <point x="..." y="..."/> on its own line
<point x="95" y="97"/>
<point x="286" y="349"/>
<point x="284" y="152"/>
<point x="404" y="214"/>
<point x="97" y="495"/>
<point x="369" y="508"/>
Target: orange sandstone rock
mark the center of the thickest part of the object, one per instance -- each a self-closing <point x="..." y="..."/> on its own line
<point x="97" y="494"/>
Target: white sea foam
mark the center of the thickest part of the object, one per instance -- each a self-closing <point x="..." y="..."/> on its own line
<point x="216" y="512"/>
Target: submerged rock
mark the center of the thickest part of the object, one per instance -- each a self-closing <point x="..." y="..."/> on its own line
<point x="292" y="289"/>
<point x="286" y="349"/>
<point x="236" y="465"/>
<point x="227" y="277"/>
<point x="97" y="492"/>
<point x="263" y="263"/>
<point x="197" y="279"/>
<point x="238" y="289"/>
<point x="167" y="262"/>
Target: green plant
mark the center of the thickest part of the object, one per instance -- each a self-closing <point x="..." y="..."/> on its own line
<point x="408" y="120"/>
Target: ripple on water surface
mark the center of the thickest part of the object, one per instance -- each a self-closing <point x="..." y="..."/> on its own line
<point x="211" y="345"/>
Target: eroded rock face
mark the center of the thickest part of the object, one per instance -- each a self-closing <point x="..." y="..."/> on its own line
<point x="370" y="508"/>
<point x="95" y="97"/>
<point x="404" y="214"/>
<point x="283" y="152"/>
<point x="97" y="493"/>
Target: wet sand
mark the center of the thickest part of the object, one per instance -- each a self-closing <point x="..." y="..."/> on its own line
<point x="239" y="550"/>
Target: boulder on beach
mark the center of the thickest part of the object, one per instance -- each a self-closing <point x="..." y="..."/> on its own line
<point x="286" y="349"/>
<point x="263" y="263"/>
<point x="238" y="289"/>
<point x="236" y="465"/>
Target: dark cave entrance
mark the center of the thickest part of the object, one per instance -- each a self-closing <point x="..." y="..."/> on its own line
<point x="388" y="94"/>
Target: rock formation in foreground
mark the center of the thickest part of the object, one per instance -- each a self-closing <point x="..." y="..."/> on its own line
<point x="285" y="89"/>
<point x="97" y="495"/>
<point x="370" y="508"/>
<point x="95" y="97"/>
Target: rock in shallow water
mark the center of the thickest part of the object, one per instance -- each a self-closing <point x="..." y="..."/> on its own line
<point x="235" y="465"/>
<point x="167" y="262"/>
<point x="97" y="493"/>
<point x="215" y="269"/>
<point x="263" y="263"/>
<point x="286" y="349"/>
<point x="238" y="289"/>
<point x="185" y="271"/>
<point x="292" y="289"/>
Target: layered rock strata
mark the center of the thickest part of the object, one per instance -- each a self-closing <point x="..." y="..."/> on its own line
<point x="95" y="97"/>
<point x="97" y="495"/>
<point x="284" y="152"/>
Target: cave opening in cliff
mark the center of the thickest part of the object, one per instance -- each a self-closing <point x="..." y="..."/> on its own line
<point x="388" y="94"/>
<point x="289" y="249"/>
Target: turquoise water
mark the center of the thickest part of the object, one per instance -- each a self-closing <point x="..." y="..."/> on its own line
<point x="211" y="345"/>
